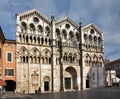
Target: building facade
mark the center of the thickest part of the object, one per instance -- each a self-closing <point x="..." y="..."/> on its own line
<point x="48" y="54"/>
<point x="113" y="73"/>
<point x="7" y="61"/>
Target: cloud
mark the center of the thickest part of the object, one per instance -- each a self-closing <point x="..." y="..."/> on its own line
<point x="103" y="13"/>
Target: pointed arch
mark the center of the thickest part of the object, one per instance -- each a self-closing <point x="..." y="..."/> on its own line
<point x="46" y="52"/>
<point x="35" y="51"/>
<point x="94" y="57"/>
<point x="23" y="50"/>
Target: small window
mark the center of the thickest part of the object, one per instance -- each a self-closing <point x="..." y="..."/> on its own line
<point x="9" y="72"/>
<point x="67" y="26"/>
<point x="35" y="19"/>
<point x="92" y="31"/>
<point x="9" y="57"/>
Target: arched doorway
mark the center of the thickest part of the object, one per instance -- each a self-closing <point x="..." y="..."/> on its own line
<point x="46" y="83"/>
<point x="70" y="78"/>
<point x="10" y="85"/>
<point x="88" y="81"/>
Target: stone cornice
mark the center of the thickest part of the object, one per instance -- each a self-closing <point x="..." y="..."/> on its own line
<point x="29" y="13"/>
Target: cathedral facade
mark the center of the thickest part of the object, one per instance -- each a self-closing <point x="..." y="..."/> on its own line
<point x="57" y="55"/>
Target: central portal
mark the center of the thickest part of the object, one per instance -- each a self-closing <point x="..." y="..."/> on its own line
<point x="68" y="83"/>
<point x="70" y="78"/>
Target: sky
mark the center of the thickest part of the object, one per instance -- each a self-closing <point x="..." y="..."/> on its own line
<point x="105" y="14"/>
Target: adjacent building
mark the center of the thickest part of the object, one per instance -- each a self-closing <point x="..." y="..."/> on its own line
<point x="7" y="61"/>
<point x="57" y="55"/>
<point x="113" y="73"/>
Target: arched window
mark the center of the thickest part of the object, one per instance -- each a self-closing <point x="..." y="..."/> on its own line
<point x="38" y="60"/>
<point x="46" y="60"/>
<point x="42" y="41"/>
<point x="71" y="34"/>
<point x="95" y="40"/>
<point x="31" y="39"/>
<point x="65" y="57"/>
<point x="90" y="39"/>
<point x="27" y="59"/>
<point x="20" y="38"/>
<point x="40" y="28"/>
<point x="38" y="40"/>
<point x="45" y="41"/>
<point x="75" y="58"/>
<point x="23" y="38"/>
<point x="99" y="41"/>
<point x="57" y="32"/>
<point x="24" y="27"/>
<point x="26" y="39"/>
<point x="88" y="60"/>
<point x="70" y="58"/>
<point x="47" y="28"/>
<point x="34" y="40"/>
<point x="43" y="60"/>
<point x="23" y="59"/>
<point x="64" y="33"/>
<point x="32" y="27"/>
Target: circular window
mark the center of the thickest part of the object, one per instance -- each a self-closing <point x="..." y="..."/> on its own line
<point x="67" y="26"/>
<point x="47" y="29"/>
<point x="24" y="25"/>
<point x="35" y="19"/>
<point x="40" y="28"/>
<point x="92" y="31"/>
<point x="32" y="26"/>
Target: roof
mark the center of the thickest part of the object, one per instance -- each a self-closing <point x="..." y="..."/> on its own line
<point x="112" y="64"/>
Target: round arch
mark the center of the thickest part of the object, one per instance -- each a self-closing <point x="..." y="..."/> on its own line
<point x="10" y="85"/>
<point x="70" y="78"/>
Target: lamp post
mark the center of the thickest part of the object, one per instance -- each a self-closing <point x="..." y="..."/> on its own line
<point x="80" y="49"/>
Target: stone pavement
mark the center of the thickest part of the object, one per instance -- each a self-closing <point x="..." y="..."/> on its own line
<point x="98" y="93"/>
<point x="12" y="95"/>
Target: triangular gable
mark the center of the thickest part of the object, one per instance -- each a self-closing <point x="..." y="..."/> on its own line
<point x="68" y="20"/>
<point x="31" y="13"/>
<point x="92" y="26"/>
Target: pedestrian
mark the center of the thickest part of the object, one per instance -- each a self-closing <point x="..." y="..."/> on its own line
<point x="36" y="92"/>
<point x="23" y="91"/>
<point x="39" y="90"/>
